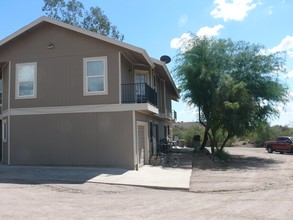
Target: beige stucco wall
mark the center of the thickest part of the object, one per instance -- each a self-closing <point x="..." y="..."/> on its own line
<point x="60" y="70"/>
<point x="4" y="146"/>
<point x="127" y="75"/>
<point x="5" y="87"/>
<point x="88" y="139"/>
<point x="155" y="120"/>
<point x="103" y="139"/>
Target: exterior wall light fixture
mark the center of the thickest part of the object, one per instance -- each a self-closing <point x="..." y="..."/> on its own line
<point x="51" y="46"/>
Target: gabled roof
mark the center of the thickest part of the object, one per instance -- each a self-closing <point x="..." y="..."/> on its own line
<point x="79" y="30"/>
<point x="137" y="50"/>
<point x="161" y="66"/>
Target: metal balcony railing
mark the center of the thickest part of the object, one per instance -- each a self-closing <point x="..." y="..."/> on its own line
<point x="171" y="115"/>
<point x="138" y="93"/>
<point x="174" y="115"/>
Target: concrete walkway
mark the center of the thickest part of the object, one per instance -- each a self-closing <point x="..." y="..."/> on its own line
<point x="147" y="176"/>
<point x="150" y="176"/>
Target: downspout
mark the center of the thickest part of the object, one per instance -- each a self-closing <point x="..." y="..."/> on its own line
<point x="135" y="155"/>
<point x="119" y="72"/>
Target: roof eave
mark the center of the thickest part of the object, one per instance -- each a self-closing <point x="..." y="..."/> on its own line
<point x="79" y="30"/>
<point x="158" y="62"/>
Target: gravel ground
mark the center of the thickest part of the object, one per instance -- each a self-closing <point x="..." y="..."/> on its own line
<point x="255" y="185"/>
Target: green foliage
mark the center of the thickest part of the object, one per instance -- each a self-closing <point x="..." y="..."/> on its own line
<point x="220" y="136"/>
<point x="179" y="132"/>
<point x="188" y="133"/>
<point x="234" y="84"/>
<point x="74" y="13"/>
<point x="223" y="155"/>
<point x="264" y="132"/>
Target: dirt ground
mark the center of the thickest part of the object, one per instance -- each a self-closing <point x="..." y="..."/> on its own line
<point x="254" y="185"/>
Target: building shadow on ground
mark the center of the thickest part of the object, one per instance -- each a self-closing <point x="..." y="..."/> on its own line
<point x="52" y="174"/>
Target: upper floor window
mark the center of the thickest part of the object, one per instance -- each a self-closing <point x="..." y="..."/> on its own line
<point x="95" y="76"/>
<point x="26" y="80"/>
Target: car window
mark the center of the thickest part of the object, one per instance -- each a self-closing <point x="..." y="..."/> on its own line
<point x="288" y="140"/>
<point x="284" y="140"/>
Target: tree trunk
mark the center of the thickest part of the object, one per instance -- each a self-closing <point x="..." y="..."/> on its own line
<point x="206" y="131"/>
<point x="214" y="143"/>
<point x="225" y="141"/>
<point x="205" y="139"/>
<point x="212" y="149"/>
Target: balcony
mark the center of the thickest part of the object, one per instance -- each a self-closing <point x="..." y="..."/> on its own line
<point x="138" y="93"/>
<point x="169" y="115"/>
<point x="174" y="115"/>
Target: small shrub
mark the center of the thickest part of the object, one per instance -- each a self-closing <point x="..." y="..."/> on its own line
<point x="223" y="155"/>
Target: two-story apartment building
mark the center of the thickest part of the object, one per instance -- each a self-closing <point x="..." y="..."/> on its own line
<point x="76" y="98"/>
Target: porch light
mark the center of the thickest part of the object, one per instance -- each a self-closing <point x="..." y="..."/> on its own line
<point x="51" y="46"/>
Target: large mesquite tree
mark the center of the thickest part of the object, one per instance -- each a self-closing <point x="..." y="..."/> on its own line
<point x="73" y="12"/>
<point x="235" y="85"/>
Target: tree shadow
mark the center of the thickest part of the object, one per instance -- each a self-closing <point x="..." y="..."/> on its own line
<point x="250" y="162"/>
<point x="207" y="162"/>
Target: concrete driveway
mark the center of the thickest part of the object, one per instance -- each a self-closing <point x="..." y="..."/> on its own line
<point x="147" y="176"/>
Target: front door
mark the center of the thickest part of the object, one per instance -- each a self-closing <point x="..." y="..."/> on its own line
<point x="140" y="80"/>
<point x="142" y="143"/>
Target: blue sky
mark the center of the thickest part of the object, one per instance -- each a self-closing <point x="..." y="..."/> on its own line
<point x="160" y="25"/>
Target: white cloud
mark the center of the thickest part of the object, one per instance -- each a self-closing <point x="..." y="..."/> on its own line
<point x="181" y="42"/>
<point x="209" y="31"/>
<point x="289" y="75"/>
<point x="182" y="20"/>
<point x="236" y="10"/>
<point x="270" y="10"/>
<point x="285" y="45"/>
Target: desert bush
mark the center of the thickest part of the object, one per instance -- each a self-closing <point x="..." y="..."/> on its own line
<point x="223" y="155"/>
<point x="188" y="133"/>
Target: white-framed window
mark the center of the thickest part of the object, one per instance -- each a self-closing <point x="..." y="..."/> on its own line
<point x="26" y="81"/>
<point x="4" y="130"/>
<point x="95" y="76"/>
